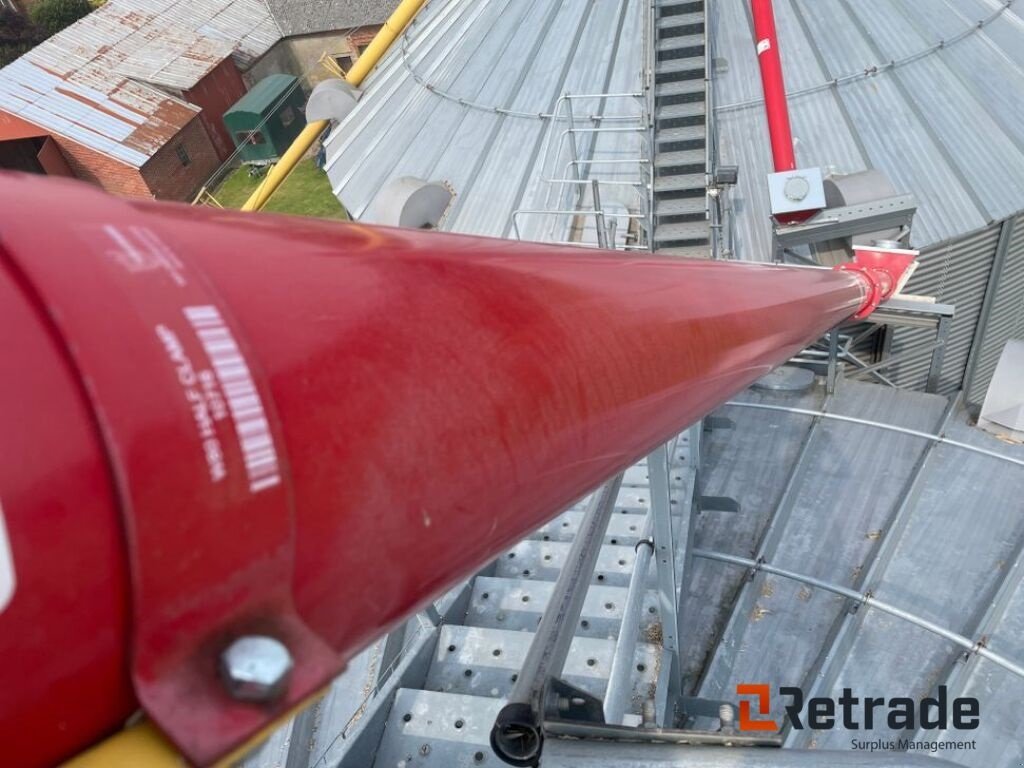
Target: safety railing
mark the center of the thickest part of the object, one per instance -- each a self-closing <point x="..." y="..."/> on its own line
<point x="719" y="203"/>
<point x="650" y="63"/>
<point x="588" y="156"/>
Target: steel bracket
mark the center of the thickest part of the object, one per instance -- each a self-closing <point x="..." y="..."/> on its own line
<point x="567" y="702"/>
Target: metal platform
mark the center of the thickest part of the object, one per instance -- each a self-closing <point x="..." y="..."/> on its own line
<point x="870" y="550"/>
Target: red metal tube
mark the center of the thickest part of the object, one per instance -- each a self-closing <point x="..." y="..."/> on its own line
<point x="220" y="424"/>
<point x="774" y="85"/>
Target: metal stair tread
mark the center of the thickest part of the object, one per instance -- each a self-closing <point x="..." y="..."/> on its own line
<point x="544" y="559"/>
<point x="681" y="182"/>
<point x="697" y="230"/>
<point x="448" y="728"/>
<point x="683" y="133"/>
<point x="684" y="64"/>
<point x="683" y="157"/>
<point x="679" y="87"/>
<point x="483" y="661"/>
<point x="632" y="498"/>
<point x="688" y="252"/>
<point x="689" y="109"/>
<point x="623" y="529"/>
<point x="498" y="603"/>
<point x="681" y="206"/>
<point x="684" y="41"/>
<point x="681" y="19"/>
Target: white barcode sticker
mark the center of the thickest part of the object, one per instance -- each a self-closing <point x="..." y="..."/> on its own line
<point x="7" y="582"/>
<point x="244" y="403"/>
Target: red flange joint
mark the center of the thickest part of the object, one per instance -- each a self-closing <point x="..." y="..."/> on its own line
<point x="884" y="272"/>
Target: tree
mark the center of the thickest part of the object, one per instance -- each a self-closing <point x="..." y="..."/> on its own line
<point x="53" y="15"/>
<point x="18" y="35"/>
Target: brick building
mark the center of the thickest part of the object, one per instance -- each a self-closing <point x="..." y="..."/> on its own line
<point x="132" y="98"/>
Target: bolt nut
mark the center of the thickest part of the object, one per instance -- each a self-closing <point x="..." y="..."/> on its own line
<point x="256" y="668"/>
<point x="726" y="715"/>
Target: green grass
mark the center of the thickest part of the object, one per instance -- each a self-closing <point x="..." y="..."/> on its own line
<point x="307" y="192"/>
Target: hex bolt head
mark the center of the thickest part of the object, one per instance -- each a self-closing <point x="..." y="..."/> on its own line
<point x="256" y="668"/>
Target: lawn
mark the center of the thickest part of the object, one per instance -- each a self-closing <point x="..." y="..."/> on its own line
<point x="306" y="192"/>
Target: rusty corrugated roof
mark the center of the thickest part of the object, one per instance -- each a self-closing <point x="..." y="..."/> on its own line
<point x="106" y="81"/>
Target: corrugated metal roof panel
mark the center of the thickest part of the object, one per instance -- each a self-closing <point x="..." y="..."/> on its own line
<point x="98" y="81"/>
<point x="1006" y="315"/>
<point x="940" y="125"/>
<point x="450" y="103"/>
<point x="955" y="273"/>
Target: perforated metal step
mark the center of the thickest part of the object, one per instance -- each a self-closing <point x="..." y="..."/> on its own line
<point x="498" y="603"/>
<point x="427" y="729"/>
<point x="482" y="661"/>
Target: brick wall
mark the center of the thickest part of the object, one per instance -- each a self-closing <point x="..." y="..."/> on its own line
<point x="363" y="36"/>
<point x="215" y="94"/>
<point x="168" y="178"/>
<point x="113" y="175"/>
<point x="164" y="176"/>
<point x="89" y="165"/>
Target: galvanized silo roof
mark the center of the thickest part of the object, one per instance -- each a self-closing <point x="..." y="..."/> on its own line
<point x="468" y="97"/>
<point x="918" y="90"/>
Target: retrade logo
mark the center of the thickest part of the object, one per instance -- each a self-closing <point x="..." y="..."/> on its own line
<point x="855" y="712"/>
<point x="763" y="695"/>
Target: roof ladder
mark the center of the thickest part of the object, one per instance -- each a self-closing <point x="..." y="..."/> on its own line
<point x="681" y="129"/>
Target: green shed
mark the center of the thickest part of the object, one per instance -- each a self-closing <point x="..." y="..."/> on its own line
<point x="265" y="121"/>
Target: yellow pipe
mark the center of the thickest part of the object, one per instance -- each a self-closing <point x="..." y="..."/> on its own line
<point x="392" y="28"/>
<point x="387" y="35"/>
<point x="282" y="169"/>
<point x="143" y="746"/>
<point x="140" y="746"/>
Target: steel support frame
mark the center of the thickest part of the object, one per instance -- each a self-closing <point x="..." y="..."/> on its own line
<point x="648" y="117"/>
<point x="673" y="548"/>
<point x="670" y="576"/>
<point x="518" y="733"/>
<point x="619" y="688"/>
<point x="895" y="312"/>
<point x="845" y="222"/>
<point x="532" y="710"/>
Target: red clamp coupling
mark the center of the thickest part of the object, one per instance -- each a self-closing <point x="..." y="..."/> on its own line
<point x="884" y="272"/>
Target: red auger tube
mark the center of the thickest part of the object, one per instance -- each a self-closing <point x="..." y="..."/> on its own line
<point x="218" y="424"/>
<point x="773" y="84"/>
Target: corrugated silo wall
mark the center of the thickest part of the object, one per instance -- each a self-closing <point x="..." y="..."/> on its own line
<point x="982" y="274"/>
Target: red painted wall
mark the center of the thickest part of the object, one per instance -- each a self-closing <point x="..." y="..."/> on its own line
<point x="13" y="127"/>
<point x="215" y="94"/>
